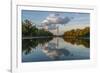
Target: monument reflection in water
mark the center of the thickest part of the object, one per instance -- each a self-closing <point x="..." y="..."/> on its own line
<point x="55" y="49"/>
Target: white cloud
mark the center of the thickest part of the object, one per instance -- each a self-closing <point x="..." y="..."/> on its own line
<point x="55" y="19"/>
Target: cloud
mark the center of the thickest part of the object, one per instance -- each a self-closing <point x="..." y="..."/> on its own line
<point x="55" y="19"/>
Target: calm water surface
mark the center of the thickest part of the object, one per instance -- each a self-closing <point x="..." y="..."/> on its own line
<point x="54" y="49"/>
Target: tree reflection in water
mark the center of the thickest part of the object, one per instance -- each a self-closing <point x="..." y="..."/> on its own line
<point x="50" y="49"/>
<point x="78" y="41"/>
<point x="29" y="44"/>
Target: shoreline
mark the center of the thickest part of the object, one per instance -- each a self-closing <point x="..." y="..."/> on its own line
<point x="42" y="37"/>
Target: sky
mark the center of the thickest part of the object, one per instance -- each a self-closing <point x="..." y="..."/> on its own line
<point x="52" y="20"/>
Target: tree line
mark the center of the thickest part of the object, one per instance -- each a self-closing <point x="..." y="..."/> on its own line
<point x="78" y="32"/>
<point x="29" y="29"/>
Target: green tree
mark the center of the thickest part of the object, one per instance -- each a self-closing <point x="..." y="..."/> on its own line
<point x="29" y="30"/>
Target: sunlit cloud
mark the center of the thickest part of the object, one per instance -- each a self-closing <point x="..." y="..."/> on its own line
<point x="55" y="19"/>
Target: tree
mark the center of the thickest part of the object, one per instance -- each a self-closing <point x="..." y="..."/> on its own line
<point x="78" y="32"/>
<point x="29" y="30"/>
